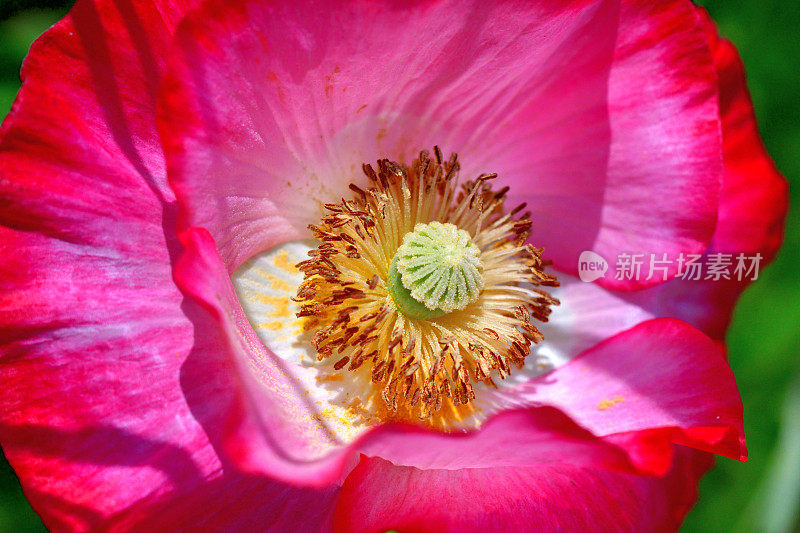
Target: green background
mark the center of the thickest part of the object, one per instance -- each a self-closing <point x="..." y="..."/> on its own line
<point x="760" y="495"/>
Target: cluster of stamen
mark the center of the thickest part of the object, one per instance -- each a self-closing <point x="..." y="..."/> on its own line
<point x="478" y="326"/>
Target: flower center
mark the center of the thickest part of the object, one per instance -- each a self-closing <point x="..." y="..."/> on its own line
<point x="421" y="287"/>
<point x="436" y="270"/>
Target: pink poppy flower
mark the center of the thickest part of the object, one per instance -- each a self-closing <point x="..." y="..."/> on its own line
<point x="159" y="170"/>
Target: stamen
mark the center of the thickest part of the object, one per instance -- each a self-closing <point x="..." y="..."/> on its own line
<point x="421" y="287"/>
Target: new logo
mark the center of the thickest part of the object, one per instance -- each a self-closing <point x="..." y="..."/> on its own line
<point x="591" y="266"/>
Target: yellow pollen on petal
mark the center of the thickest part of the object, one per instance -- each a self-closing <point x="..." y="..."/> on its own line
<point x="278" y="284"/>
<point x="273" y="325"/>
<point x="282" y="261"/>
<point x="607" y="404"/>
<point x="421" y="287"/>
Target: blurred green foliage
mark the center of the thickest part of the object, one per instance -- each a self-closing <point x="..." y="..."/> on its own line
<point x="16" y="35"/>
<point x="764" y="340"/>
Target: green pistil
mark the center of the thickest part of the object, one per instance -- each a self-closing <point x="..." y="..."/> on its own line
<point x="437" y="269"/>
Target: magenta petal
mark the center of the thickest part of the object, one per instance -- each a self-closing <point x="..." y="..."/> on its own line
<point x="752" y="210"/>
<point x="644" y="177"/>
<point x="116" y="389"/>
<point x="556" y="495"/>
<point x="272" y="427"/>
<point x="95" y="336"/>
<point x="661" y="381"/>
<point x="588" y="109"/>
<point x="236" y="503"/>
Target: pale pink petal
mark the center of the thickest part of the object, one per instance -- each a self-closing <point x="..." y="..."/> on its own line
<point x="586" y="315"/>
<point x="590" y="110"/>
<point x="659" y="382"/>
